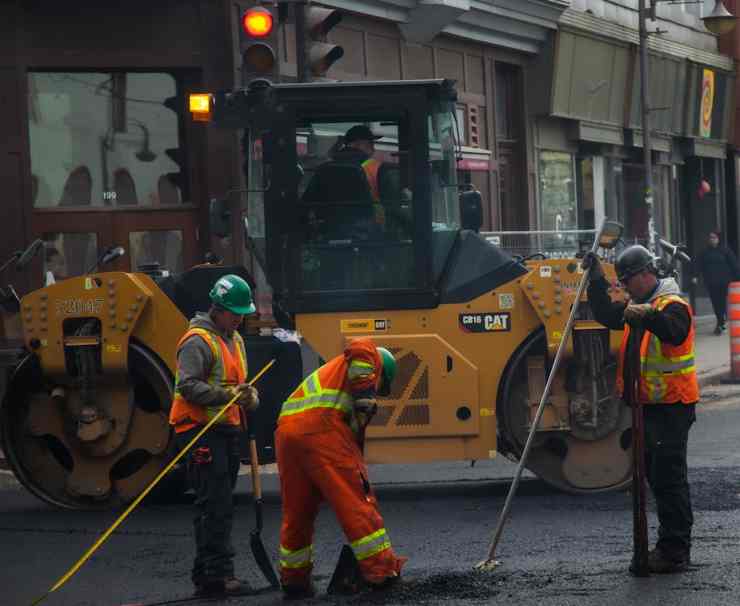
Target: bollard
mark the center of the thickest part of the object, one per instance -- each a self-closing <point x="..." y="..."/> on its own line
<point x="733" y="321"/>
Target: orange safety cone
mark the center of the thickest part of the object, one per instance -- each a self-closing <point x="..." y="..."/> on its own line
<point x="733" y="319"/>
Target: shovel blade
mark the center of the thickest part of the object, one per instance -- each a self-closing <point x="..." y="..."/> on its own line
<point x="347" y="578"/>
<point x="263" y="560"/>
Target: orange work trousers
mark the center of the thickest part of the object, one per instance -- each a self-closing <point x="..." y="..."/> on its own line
<point x="328" y="465"/>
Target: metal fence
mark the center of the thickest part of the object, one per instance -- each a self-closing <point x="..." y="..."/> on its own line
<point x="558" y="244"/>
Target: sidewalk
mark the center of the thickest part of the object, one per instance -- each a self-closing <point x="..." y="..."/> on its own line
<point x="712" y="352"/>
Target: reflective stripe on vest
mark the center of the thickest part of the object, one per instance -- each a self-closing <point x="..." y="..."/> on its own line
<point x="667" y="372"/>
<point x="296" y="558"/>
<point x="371" y="168"/>
<point x="359" y="369"/>
<point x="369" y="545"/>
<point x="314" y="396"/>
<point x="228" y="369"/>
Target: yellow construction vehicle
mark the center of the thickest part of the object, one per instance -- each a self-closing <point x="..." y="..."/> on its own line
<point x="348" y="251"/>
<point x="84" y="418"/>
<point x="383" y="252"/>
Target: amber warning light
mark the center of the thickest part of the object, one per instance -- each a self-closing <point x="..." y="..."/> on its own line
<point x="200" y="107"/>
<point x="257" y="22"/>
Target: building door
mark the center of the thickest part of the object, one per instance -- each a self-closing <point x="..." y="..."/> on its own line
<point x="109" y="168"/>
<point x="510" y="135"/>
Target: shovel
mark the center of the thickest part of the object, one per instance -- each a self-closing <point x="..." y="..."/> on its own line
<point x="255" y="537"/>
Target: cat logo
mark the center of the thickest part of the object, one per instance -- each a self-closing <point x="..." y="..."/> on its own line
<point x="486" y="322"/>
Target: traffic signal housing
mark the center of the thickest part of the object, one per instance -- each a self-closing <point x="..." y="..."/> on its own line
<point x="257" y="44"/>
<point x="320" y="54"/>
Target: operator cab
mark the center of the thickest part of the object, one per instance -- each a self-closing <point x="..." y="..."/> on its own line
<point x="344" y="227"/>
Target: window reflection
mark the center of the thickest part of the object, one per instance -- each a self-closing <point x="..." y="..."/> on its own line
<point x="69" y="254"/>
<point x="159" y="246"/>
<point x="101" y="139"/>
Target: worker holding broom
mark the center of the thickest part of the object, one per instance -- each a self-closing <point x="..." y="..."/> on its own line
<point x="319" y="442"/>
<point x="211" y="370"/>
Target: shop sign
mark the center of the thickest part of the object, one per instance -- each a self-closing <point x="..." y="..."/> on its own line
<point x="707" y="103"/>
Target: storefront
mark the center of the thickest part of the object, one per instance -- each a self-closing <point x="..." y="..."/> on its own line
<point x="588" y="140"/>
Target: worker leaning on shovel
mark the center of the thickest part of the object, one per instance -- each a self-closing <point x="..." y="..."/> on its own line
<point x="319" y="443"/>
<point x="211" y="369"/>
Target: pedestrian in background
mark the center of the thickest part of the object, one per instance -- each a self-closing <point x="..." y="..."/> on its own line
<point x="718" y="266"/>
<point x="211" y="370"/>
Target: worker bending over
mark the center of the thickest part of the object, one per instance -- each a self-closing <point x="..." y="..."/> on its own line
<point x="319" y="443"/>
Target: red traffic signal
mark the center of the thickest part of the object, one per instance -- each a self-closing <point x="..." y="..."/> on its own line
<point x="257" y="22"/>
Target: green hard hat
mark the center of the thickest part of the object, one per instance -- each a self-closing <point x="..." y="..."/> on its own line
<point x="389" y="370"/>
<point x="233" y="293"/>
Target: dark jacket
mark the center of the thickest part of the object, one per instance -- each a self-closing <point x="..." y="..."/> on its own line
<point x="671" y="324"/>
<point x="718" y="266"/>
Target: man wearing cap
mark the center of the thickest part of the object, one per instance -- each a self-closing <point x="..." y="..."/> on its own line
<point x="359" y="147"/>
<point x="211" y="370"/>
<point x="661" y="354"/>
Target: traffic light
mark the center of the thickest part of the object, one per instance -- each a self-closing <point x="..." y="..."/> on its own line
<point x="320" y="54"/>
<point x="178" y="104"/>
<point x="257" y="43"/>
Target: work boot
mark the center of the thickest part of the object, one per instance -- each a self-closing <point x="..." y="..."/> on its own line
<point x="221" y="587"/>
<point x="660" y="562"/>
<point x="633" y="569"/>
<point x="298" y="592"/>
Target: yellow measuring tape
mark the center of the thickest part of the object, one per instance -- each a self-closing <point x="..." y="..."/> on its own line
<point x="67" y="575"/>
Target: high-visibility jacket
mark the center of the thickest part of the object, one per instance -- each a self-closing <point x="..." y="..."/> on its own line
<point x="371" y="168"/>
<point x="329" y="391"/>
<point x="228" y="370"/>
<point x="667" y="372"/>
<point x="318" y="459"/>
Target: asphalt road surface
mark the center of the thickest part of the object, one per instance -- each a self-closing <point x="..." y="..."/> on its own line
<point x="556" y="549"/>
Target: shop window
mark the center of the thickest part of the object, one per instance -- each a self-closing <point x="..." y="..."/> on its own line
<point x="559" y="210"/>
<point x="105" y="139"/>
<point x="157" y="246"/>
<point x="69" y="254"/>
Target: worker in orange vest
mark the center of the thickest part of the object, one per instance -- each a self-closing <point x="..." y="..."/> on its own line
<point x="319" y="443"/>
<point x="211" y="370"/>
<point x="667" y="388"/>
<point x="359" y="148"/>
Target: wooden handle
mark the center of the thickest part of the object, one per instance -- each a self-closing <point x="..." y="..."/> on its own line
<point x="254" y="462"/>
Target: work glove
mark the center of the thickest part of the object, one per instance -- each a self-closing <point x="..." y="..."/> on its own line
<point x="364" y="411"/>
<point x="591" y="260"/>
<point x="249" y="398"/>
<point x="636" y="313"/>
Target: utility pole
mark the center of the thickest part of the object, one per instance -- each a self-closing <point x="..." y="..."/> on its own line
<point x="644" y="11"/>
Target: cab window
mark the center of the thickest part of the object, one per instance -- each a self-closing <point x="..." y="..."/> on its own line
<point x="355" y="205"/>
